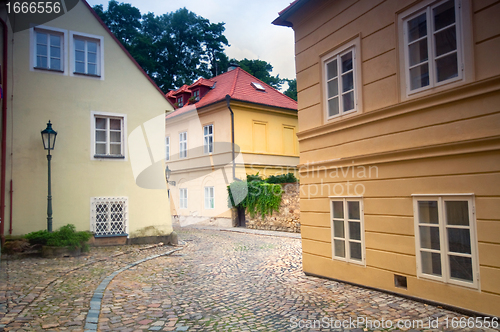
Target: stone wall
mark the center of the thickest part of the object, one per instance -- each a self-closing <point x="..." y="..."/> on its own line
<point x="288" y="217"/>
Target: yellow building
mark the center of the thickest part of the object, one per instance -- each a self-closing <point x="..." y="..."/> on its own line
<point x="72" y="71"/>
<point x="213" y="113"/>
<point x="399" y="115"/>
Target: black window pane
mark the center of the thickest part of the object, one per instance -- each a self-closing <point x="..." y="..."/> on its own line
<point x="418" y="52"/>
<point x="431" y="263"/>
<point x="457" y="213"/>
<point x="338" y="228"/>
<point x="459" y="240"/>
<point x="331" y="69"/>
<point x="428" y="212"/>
<point x="347" y="82"/>
<point x="346" y="60"/>
<point x="354" y="230"/>
<point x="419" y="76"/>
<point x="348" y="101"/>
<point x="333" y="106"/>
<point x="445" y="41"/>
<point x="333" y="88"/>
<point x="429" y="237"/>
<point x="461" y="268"/>
<point x="444" y="15"/>
<point x="355" y="248"/>
<point x="353" y="208"/>
<point x="339" y="246"/>
<point x="338" y="209"/>
<point x="417" y="27"/>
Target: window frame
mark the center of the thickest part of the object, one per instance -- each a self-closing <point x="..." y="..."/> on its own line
<point x="465" y="49"/>
<point x="196" y="94"/>
<point x="123" y="118"/>
<point x="109" y="200"/>
<point x="180" y="101"/>
<point x="33" y="49"/>
<point x="167" y="148"/>
<point x="354" y="45"/>
<point x="210" y="145"/>
<point x="181" y="142"/>
<point x="443" y="238"/>
<point x="99" y="57"/>
<point x="183" y="199"/>
<point x="210" y="198"/>
<point x="346" y="238"/>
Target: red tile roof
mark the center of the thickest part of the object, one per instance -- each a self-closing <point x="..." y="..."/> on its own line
<point x="285" y="13"/>
<point x="202" y="81"/>
<point x="237" y="83"/>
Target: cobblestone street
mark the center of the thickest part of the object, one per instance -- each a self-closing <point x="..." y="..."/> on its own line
<point x="217" y="281"/>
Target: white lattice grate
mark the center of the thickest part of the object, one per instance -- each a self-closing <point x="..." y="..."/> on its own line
<point x="109" y="215"/>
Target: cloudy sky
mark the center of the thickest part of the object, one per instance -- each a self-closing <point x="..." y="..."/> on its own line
<point x="248" y="27"/>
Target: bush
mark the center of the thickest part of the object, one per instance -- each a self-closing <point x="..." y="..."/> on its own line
<point x="66" y="236"/>
<point x="282" y="178"/>
<point x="255" y="196"/>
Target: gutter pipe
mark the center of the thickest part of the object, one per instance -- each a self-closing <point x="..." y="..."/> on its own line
<point x="228" y="100"/>
<point x="4" y="131"/>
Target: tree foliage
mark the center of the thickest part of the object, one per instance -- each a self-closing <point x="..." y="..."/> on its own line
<point x="173" y="49"/>
<point x="292" y="89"/>
<point x="262" y="70"/>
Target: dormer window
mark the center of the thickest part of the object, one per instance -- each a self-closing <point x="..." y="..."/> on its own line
<point x="258" y="86"/>
<point x="196" y="95"/>
<point x="180" y="102"/>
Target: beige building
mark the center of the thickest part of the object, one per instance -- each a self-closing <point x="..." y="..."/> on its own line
<point x="74" y="72"/>
<point x="211" y="114"/>
<point x="399" y="133"/>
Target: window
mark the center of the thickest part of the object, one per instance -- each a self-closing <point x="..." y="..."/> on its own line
<point x="109" y="216"/>
<point x="49" y="50"/>
<point x="183" y="198"/>
<point x="167" y="148"/>
<point x="347" y="230"/>
<point x="196" y="95"/>
<point x="183" y="144"/>
<point x="108" y="133"/>
<point x="445" y="239"/>
<point x="258" y="86"/>
<point x="86" y="56"/>
<point x="208" y="139"/>
<point x="180" y="101"/>
<point x="209" y="198"/>
<point x="340" y="85"/>
<point x="432" y="46"/>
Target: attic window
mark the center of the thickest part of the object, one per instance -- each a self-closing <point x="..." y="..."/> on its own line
<point x="258" y="86"/>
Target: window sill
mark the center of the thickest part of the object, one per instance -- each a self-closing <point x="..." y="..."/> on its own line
<point x="48" y="69"/>
<point x="110" y="235"/>
<point x="85" y="74"/>
<point x="101" y="156"/>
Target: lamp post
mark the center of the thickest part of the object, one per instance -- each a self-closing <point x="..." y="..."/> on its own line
<point x="49" y="140"/>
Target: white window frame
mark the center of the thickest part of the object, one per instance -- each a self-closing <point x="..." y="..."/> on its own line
<point x="100" y="56"/>
<point x="208" y="147"/>
<point x="354" y="46"/>
<point x="196" y="94"/>
<point x="97" y="229"/>
<point x="183" y="146"/>
<point x="209" y="198"/>
<point x="346" y="238"/>
<point x="64" y="52"/>
<point x="180" y="101"/>
<point x="167" y="148"/>
<point x="183" y="198"/>
<point x="93" y="155"/>
<point x="443" y="238"/>
<point x="465" y="49"/>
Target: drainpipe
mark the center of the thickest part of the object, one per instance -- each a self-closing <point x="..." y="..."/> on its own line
<point x="228" y="99"/>
<point x="4" y="130"/>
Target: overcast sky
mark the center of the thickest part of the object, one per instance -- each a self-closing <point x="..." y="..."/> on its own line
<point x="248" y="27"/>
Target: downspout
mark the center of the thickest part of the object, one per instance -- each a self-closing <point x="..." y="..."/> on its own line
<point x="4" y="131"/>
<point x="228" y="99"/>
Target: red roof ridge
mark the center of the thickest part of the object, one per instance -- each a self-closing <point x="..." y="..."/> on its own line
<point x="235" y="80"/>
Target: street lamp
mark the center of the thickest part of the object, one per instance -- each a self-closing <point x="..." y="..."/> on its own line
<point x="49" y="140"/>
<point x="168" y="171"/>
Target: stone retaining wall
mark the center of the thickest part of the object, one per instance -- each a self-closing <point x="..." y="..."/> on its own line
<point x="288" y="217"/>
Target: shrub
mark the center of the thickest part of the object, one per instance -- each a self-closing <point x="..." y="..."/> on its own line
<point x="282" y="178"/>
<point x="66" y="236"/>
<point x="255" y="196"/>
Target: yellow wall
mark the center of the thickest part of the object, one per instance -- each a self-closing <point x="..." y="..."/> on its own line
<point x="68" y="101"/>
<point x="443" y="141"/>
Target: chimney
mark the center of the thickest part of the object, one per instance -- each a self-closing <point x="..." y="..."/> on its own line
<point x="232" y="66"/>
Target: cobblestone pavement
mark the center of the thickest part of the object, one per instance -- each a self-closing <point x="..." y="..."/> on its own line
<point x="219" y="281"/>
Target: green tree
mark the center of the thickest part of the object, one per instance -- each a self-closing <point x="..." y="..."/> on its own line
<point x="174" y="48"/>
<point x="292" y="89"/>
<point x="262" y="70"/>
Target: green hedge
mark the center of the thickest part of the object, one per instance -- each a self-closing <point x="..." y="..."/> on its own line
<point x="66" y="236"/>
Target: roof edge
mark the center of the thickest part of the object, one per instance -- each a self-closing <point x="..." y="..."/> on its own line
<point x="287" y="12"/>
<point x="125" y="50"/>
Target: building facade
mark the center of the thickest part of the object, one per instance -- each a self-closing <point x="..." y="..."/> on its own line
<point x="399" y="115"/>
<point x="211" y="115"/>
<point x="74" y="72"/>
